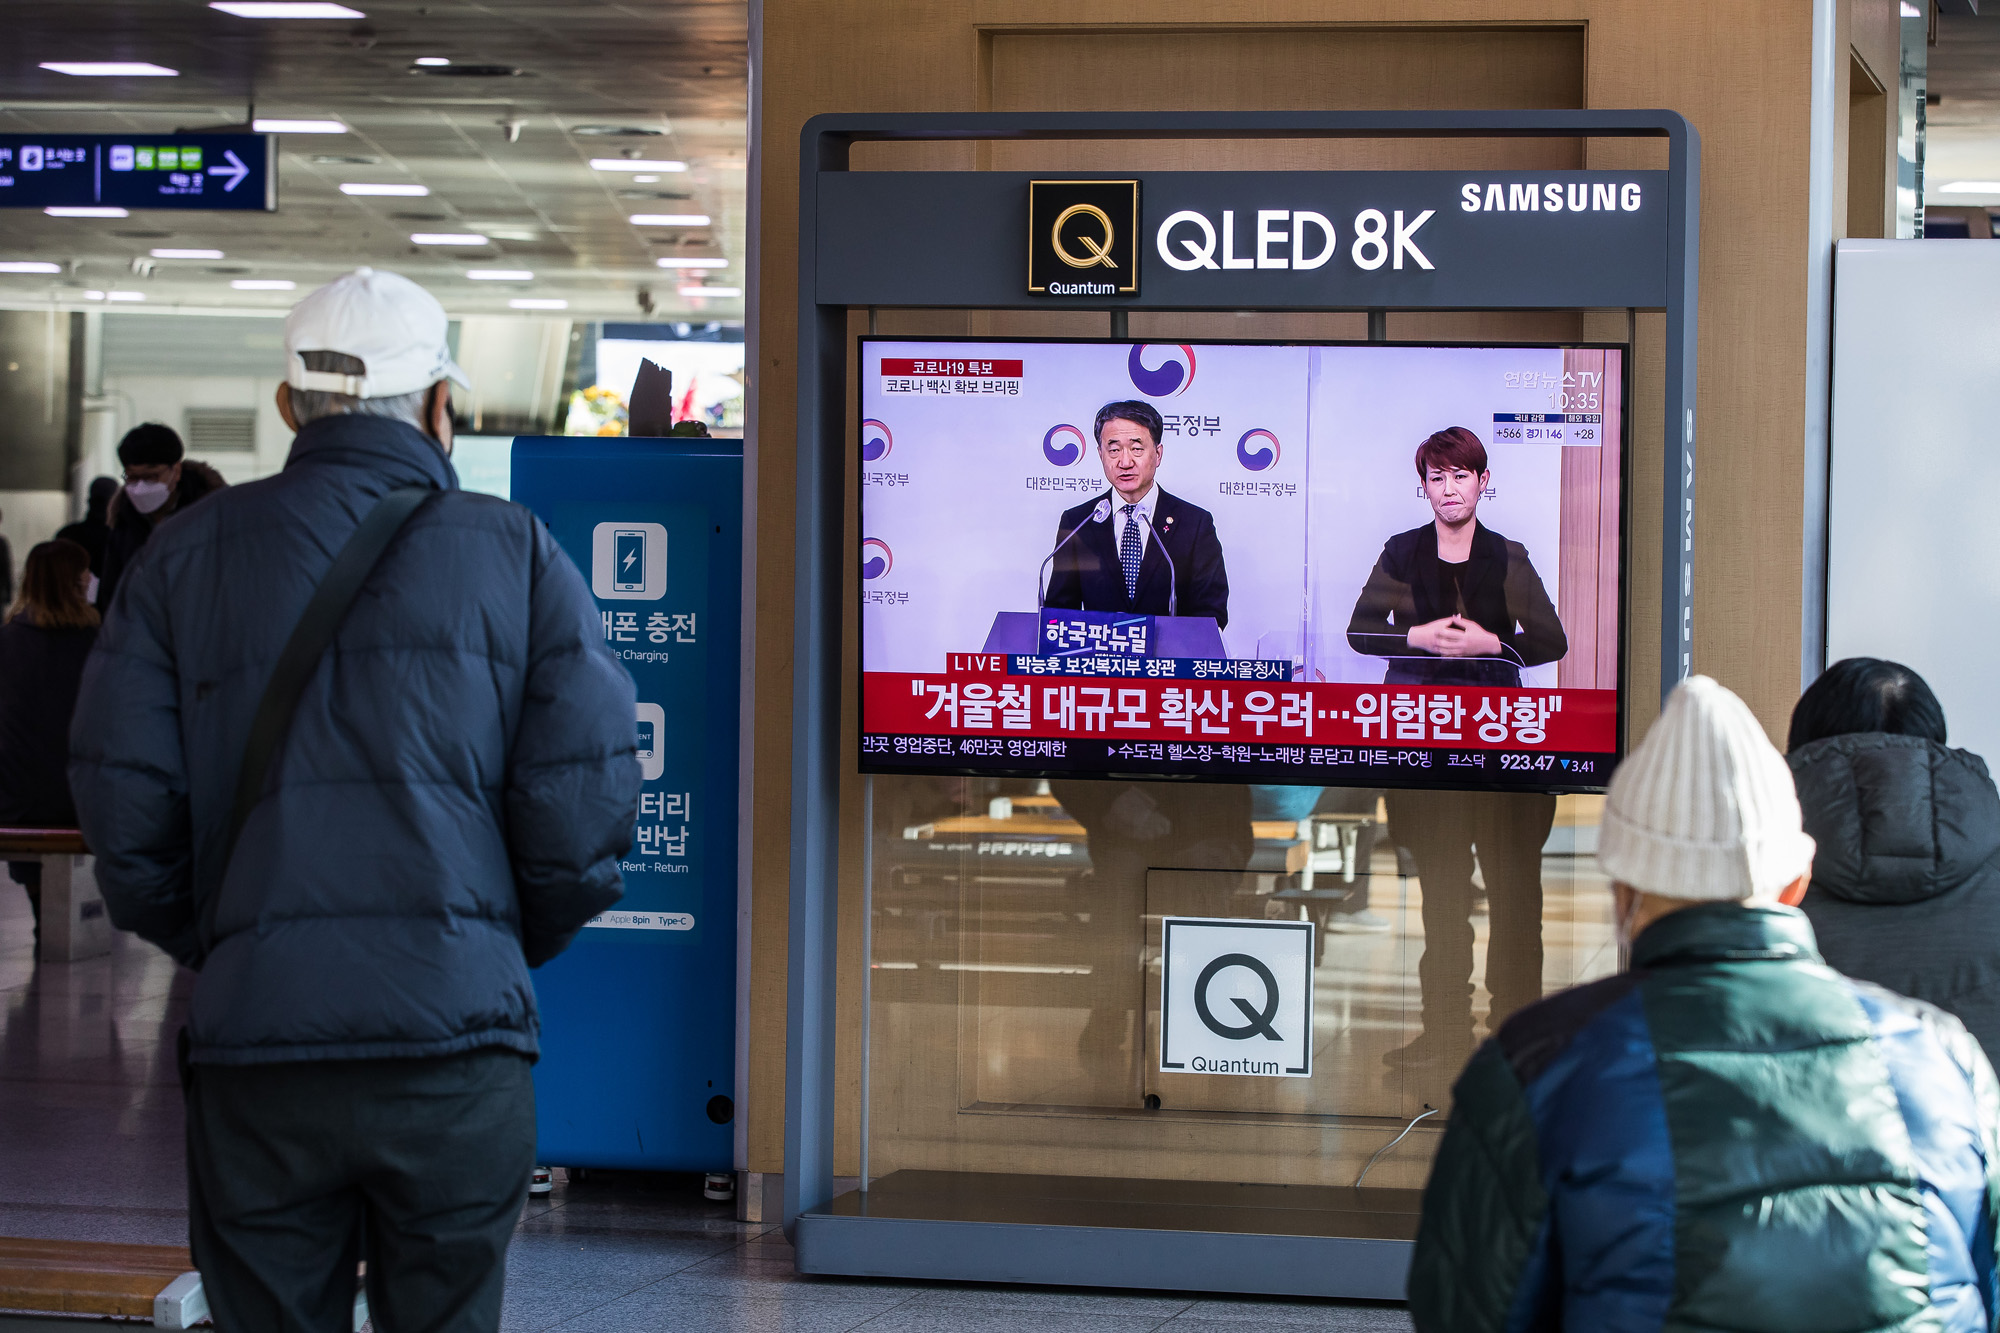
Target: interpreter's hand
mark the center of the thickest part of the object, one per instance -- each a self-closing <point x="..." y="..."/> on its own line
<point x="1424" y="638"/>
<point x="1460" y="637"/>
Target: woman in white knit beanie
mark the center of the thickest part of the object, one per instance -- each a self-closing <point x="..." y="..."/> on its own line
<point x="1704" y="810"/>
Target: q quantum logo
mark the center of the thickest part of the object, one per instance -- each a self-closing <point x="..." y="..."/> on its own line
<point x="1063" y="445"/>
<point x="876" y="558"/>
<point x="1258" y="450"/>
<point x="876" y="441"/>
<point x="1170" y="380"/>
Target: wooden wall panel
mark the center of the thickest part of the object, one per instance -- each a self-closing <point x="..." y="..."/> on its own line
<point x="1740" y="74"/>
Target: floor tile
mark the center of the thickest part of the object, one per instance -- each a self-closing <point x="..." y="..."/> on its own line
<point x="904" y="1319"/>
<point x="1238" y="1316"/>
<point x="1049" y="1300"/>
<point x="674" y="1313"/>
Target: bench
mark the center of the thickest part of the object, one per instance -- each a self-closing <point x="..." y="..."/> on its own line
<point x="75" y="925"/>
<point x="87" y="1277"/>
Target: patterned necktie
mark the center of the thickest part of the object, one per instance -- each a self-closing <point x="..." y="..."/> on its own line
<point x="1130" y="551"/>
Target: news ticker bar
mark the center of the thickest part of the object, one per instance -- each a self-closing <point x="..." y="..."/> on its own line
<point x="1127" y="666"/>
<point x="1329" y="765"/>
<point x="1005" y="709"/>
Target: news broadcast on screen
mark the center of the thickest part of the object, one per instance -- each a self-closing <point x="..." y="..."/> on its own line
<point x="1333" y="564"/>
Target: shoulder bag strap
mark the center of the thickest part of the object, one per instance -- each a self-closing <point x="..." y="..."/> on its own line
<point x="300" y="659"/>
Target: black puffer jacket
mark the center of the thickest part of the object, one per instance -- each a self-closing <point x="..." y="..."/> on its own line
<point x="448" y="806"/>
<point x="1906" y="883"/>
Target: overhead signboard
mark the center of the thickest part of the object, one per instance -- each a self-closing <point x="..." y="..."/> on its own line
<point x="1241" y="240"/>
<point x="183" y="171"/>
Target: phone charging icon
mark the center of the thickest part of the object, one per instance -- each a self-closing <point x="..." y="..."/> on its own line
<point x="628" y="561"/>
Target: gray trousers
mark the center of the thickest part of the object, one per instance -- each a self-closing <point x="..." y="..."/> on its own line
<point x="297" y="1171"/>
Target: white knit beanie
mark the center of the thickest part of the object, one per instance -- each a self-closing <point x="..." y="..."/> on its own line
<point x="1704" y="808"/>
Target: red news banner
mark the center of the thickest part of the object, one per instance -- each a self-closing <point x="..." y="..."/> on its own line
<point x="976" y="697"/>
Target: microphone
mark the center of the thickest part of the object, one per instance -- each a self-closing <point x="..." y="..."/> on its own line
<point x="1097" y="515"/>
<point x="1173" y="595"/>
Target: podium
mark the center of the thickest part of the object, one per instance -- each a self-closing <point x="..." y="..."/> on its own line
<point x="1174" y="636"/>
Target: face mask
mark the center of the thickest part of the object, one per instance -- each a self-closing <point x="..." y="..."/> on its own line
<point x="146" y="496"/>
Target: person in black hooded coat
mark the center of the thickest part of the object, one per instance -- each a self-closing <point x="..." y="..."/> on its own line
<point x="1906" y="883"/>
<point x="160" y="482"/>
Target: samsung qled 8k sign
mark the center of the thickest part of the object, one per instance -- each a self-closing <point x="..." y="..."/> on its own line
<point x="1359" y="565"/>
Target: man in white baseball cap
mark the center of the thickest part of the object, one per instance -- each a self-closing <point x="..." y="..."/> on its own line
<point x="353" y="746"/>
<point x="1728" y="1134"/>
<point x="370" y="344"/>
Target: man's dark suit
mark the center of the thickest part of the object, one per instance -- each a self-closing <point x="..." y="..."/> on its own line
<point x="1088" y="577"/>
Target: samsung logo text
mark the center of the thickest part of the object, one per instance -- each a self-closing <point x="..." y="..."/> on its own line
<point x="1573" y="197"/>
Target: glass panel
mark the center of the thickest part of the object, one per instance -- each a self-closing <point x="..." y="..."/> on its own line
<point x="1016" y="959"/>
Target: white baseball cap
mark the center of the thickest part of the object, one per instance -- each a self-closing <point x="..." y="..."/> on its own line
<point x="395" y="328"/>
<point x="1704" y="808"/>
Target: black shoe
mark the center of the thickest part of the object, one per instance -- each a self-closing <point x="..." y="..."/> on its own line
<point x="1428" y="1050"/>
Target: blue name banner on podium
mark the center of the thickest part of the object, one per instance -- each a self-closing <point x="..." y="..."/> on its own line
<point x="638" y="1061"/>
<point x="1095" y="633"/>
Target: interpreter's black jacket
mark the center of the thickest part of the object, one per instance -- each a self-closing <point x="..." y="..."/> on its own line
<point x="1500" y="591"/>
<point x="1087" y="575"/>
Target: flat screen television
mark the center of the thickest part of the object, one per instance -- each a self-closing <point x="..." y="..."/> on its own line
<point x="1341" y="564"/>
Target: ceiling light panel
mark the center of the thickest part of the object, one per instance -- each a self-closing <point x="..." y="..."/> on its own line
<point x="499" y="275"/>
<point x="264" y="126"/>
<point x="537" y="303"/>
<point x="285" y="9"/>
<point x="188" y="254"/>
<point x="693" y="261"/>
<point x="84" y="211"/>
<point x="1970" y="187"/>
<point x="384" y="188"/>
<point x="433" y="62"/>
<point x="635" y="164"/>
<point x="669" y="219"/>
<point x="446" y="238"/>
<point x="28" y="266"/>
<point x="717" y="292"/>
<point x="110" y="69"/>
<point x="263" y="284"/>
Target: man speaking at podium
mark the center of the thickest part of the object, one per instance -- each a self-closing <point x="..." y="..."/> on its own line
<point x="1137" y="549"/>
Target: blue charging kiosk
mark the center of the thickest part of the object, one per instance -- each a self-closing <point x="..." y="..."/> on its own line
<point x="638" y="1065"/>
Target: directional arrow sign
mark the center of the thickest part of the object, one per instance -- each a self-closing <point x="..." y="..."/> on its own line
<point x="232" y="167"/>
<point x="180" y="171"/>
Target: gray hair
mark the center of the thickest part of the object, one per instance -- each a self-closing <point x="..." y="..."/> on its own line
<point x="312" y="404"/>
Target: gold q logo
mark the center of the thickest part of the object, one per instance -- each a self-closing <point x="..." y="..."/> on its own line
<point x="1099" y="251"/>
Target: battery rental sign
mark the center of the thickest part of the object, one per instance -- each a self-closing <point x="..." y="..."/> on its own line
<point x="183" y="171"/>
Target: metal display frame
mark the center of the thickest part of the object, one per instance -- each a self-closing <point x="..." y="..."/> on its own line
<point x="848" y="1240"/>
